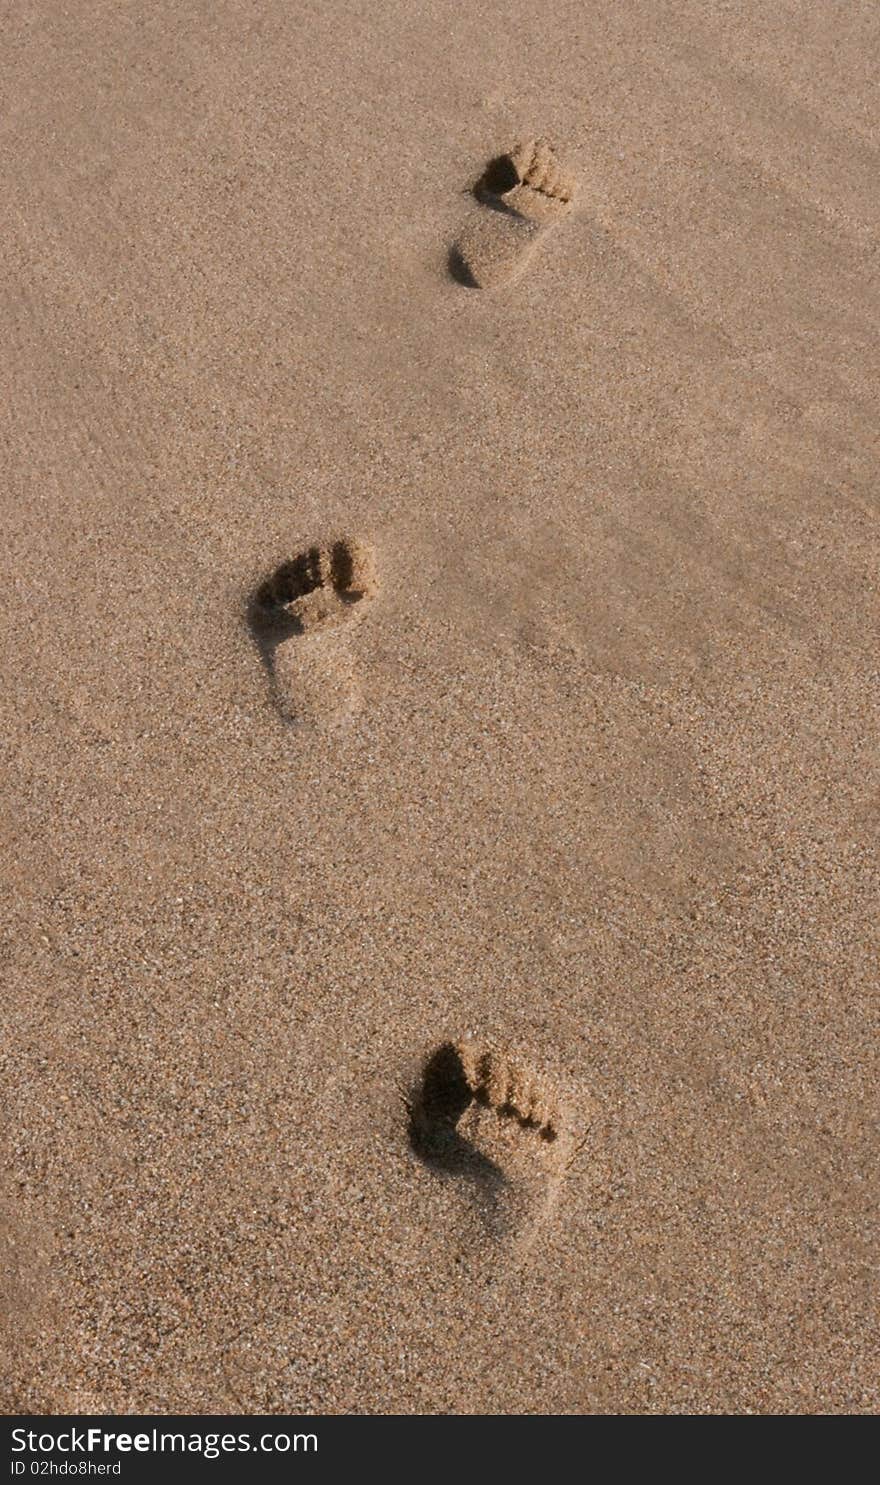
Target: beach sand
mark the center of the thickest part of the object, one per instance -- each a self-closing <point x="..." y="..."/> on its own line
<point x="562" y="826"/>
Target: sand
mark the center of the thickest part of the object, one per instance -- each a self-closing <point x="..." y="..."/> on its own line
<point x="585" y="787"/>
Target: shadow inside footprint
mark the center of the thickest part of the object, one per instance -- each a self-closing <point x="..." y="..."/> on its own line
<point x="270" y="627"/>
<point x="500" y="175"/>
<point x="436" y="1106"/>
<point x="458" y="268"/>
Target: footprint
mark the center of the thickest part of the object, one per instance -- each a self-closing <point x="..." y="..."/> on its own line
<point x="499" y="1128"/>
<point x="524" y="194"/>
<point x="300" y="619"/>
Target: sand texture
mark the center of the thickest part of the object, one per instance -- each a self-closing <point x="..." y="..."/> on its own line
<point x="439" y="723"/>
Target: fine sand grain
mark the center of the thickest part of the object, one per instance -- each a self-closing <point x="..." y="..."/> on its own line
<point x="439" y="726"/>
